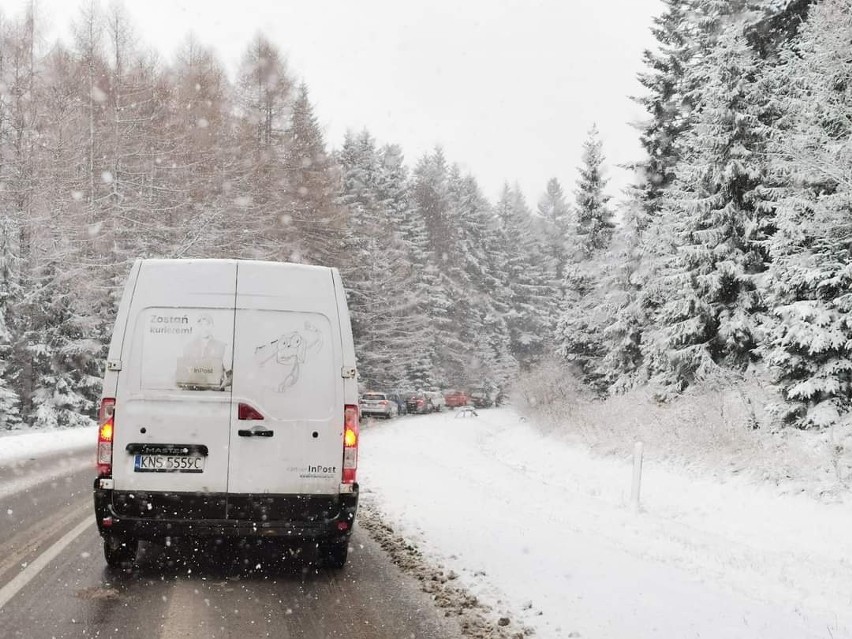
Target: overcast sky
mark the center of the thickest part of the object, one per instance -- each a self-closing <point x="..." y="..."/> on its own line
<point x="508" y="88"/>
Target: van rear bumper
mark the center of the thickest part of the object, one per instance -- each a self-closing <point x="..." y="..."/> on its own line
<point x="152" y="516"/>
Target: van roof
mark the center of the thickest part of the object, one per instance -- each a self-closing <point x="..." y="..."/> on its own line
<point x="293" y="265"/>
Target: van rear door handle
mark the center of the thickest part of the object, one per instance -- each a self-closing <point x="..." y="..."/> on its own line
<point x="255" y="433"/>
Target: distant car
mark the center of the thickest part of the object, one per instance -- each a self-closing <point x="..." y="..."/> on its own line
<point x="481" y="399"/>
<point x="378" y="404"/>
<point x="419" y="403"/>
<point x="455" y="398"/>
<point x="437" y="399"/>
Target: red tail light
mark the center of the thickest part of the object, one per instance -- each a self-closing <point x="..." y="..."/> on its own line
<point x="246" y="412"/>
<point x="350" y="443"/>
<point x="106" y="424"/>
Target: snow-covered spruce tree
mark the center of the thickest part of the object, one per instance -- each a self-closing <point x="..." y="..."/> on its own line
<point x="581" y="318"/>
<point x="527" y="293"/>
<point x="64" y="369"/>
<point x="709" y="304"/>
<point x="667" y="101"/>
<point x="555" y="213"/>
<point x="483" y="329"/>
<point x="776" y="25"/>
<point x="446" y="282"/>
<point x="631" y="280"/>
<point x="377" y="270"/>
<point x="619" y="369"/>
<point x="809" y="348"/>
<point x="395" y="191"/>
<point x="594" y="225"/>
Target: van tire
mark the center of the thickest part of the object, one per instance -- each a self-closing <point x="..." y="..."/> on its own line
<point x="120" y="552"/>
<point x="334" y="555"/>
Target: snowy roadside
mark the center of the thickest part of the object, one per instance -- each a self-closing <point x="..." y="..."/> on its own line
<point x="543" y="533"/>
<point x="15" y="445"/>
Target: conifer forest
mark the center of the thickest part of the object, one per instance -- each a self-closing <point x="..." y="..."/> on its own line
<point x="730" y="253"/>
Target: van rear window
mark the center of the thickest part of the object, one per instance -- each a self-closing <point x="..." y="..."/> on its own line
<point x="186" y="348"/>
<point x="285" y="361"/>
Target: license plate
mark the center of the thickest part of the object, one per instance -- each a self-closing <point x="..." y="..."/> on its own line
<point x="168" y="464"/>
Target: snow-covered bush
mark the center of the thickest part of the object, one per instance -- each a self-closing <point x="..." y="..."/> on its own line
<point x="720" y="426"/>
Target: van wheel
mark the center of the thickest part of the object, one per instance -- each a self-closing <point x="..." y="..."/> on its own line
<point x="334" y="555"/>
<point x="120" y="552"/>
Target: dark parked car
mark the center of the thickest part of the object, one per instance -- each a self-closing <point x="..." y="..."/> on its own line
<point x="481" y="399"/>
<point x="419" y="403"/>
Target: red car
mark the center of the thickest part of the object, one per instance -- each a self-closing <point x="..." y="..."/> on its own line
<point x="418" y="404"/>
<point x="456" y="399"/>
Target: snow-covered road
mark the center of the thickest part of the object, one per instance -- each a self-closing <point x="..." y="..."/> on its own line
<point x="545" y="534"/>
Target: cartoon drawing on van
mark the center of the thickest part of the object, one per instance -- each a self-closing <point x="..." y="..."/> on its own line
<point x="201" y="365"/>
<point x="289" y="351"/>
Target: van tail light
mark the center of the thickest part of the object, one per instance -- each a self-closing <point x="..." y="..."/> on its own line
<point x="350" y="443"/>
<point x="246" y="412"/>
<point x="106" y="424"/>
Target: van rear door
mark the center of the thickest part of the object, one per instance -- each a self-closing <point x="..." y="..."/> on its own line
<point x="173" y="398"/>
<point x="287" y="427"/>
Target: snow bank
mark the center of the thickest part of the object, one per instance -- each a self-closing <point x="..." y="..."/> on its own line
<point x="723" y="429"/>
<point x="22" y="444"/>
<point x="542" y="530"/>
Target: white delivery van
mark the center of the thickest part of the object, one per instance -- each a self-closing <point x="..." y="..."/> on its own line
<point x="230" y="407"/>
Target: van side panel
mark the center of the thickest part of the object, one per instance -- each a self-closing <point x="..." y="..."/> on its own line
<point x="120" y="330"/>
<point x="287" y="366"/>
<point x="347" y="342"/>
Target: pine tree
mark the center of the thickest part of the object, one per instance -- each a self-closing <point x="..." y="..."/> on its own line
<point x="483" y="329"/>
<point x="378" y="273"/>
<point x="65" y="362"/>
<point x="556" y="216"/>
<point x="624" y="322"/>
<point x="582" y="319"/>
<point x="594" y="225"/>
<point x="395" y="189"/>
<point x="431" y="199"/>
<point x="808" y="347"/>
<point x="526" y="293"/>
<point x="711" y="307"/>
<point x="668" y="101"/>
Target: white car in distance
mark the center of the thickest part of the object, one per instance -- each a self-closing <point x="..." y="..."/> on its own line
<point x="379" y="405"/>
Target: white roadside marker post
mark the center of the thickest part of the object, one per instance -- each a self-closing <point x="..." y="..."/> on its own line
<point x="637" y="475"/>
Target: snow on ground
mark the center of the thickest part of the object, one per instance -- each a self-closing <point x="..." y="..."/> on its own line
<point x="545" y="533"/>
<point x="15" y="445"/>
